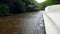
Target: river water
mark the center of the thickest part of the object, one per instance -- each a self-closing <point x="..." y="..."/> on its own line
<point x="19" y="24"/>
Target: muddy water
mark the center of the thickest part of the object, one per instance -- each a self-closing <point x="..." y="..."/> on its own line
<point x="18" y="24"/>
<point x="8" y="25"/>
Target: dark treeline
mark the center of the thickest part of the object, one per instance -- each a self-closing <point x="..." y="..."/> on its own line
<point x="8" y="7"/>
<point x="17" y="6"/>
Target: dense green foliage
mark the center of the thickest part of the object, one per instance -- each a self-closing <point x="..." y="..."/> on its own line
<point x="17" y="6"/>
<point x="48" y="3"/>
<point x="42" y="5"/>
<point x="4" y="9"/>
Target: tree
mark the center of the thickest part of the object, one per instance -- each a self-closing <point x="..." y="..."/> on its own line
<point x="4" y="9"/>
<point x="53" y="2"/>
<point x="48" y="3"/>
<point x="18" y="6"/>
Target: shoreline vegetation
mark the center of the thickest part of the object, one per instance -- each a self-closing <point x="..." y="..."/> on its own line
<point x="9" y="7"/>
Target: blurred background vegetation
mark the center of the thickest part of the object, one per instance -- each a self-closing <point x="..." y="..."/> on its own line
<point x="8" y="7"/>
<point x="48" y="3"/>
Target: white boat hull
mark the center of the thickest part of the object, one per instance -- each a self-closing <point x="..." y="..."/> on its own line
<point x="52" y="19"/>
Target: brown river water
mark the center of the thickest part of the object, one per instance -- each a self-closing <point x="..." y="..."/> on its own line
<point x="25" y="23"/>
<point x="19" y="24"/>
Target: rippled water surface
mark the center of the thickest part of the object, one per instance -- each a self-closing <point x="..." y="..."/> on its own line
<point x="19" y="24"/>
